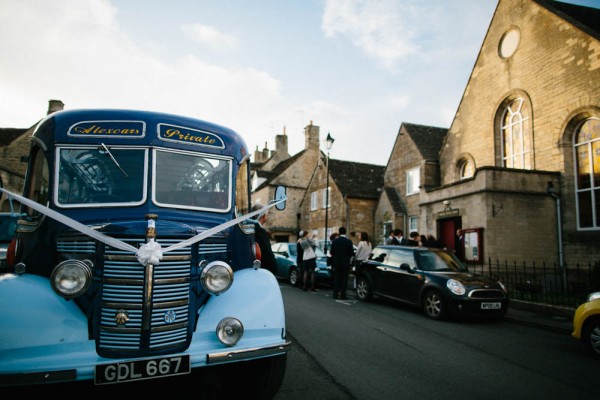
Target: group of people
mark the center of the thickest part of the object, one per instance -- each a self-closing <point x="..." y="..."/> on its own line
<point x="341" y="254"/>
<point x="341" y="258"/>
<point x="397" y="238"/>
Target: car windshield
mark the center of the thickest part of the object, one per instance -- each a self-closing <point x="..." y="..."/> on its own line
<point x="438" y="261"/>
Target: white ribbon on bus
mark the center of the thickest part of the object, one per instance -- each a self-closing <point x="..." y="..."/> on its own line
<point x="148" y="253"/>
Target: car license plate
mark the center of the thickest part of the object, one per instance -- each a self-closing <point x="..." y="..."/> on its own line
<point x="491" y="306"/>
<point x="141" y="369"/>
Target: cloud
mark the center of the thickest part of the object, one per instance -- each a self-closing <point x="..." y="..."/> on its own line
<point x="210" y="36"/>
<point x="396" y="32"/>
<point x="75" y="51"/>
<point x="380" y="28"/>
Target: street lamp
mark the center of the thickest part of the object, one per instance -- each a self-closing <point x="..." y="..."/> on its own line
<point x="328" y="142"/>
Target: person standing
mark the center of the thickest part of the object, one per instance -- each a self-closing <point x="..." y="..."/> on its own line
<point x="433" y="242"/>
<point x="391" y="240"/>
<point x="400" y="239"/>
<point x="299" y="257"/>
<point x="459" y="245"/>
<point x="267" y="258"/>
<point x="414" y="239"/>
<point x="309" y="261"/>
<point x="342" y="251"/>
<point x="363" y="249"/>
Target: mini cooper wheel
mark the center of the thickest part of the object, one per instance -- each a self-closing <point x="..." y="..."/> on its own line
<point x="434" y="305"/>
<point x="591" y="335"/>
<point x="363" y="288"/>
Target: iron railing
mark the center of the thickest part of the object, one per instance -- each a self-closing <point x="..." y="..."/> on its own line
<point x="549" y="284"/>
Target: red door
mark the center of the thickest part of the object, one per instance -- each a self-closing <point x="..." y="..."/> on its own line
<point x="447" y="232"/>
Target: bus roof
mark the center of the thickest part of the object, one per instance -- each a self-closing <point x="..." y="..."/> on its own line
<point x="124" y="127"/>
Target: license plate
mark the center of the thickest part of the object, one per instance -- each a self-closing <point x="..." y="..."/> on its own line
<point x="491" y="306"/>
<point x="141" y="369"/>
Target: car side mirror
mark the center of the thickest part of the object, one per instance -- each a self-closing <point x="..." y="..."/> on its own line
<point x="406" y="267"/>
<point x="285" y="254"/>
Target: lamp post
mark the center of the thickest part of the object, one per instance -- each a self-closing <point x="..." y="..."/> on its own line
<point x="328" y="143"/>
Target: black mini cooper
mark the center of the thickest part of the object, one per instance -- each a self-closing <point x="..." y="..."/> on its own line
<point x="432" y="279"/>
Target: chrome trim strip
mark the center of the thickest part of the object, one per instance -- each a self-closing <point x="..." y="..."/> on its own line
<point x="238" y="355"/>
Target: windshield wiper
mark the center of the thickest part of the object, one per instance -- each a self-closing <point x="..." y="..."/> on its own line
<point x="113" y="159"/>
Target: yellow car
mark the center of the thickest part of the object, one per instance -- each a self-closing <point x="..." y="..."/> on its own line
<point x="586" y="323"/>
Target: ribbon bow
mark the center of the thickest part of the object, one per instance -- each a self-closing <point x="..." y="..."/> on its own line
<point x="149" y="253"/>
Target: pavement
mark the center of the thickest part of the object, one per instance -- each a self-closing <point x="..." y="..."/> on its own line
<point x="553" y="318"/>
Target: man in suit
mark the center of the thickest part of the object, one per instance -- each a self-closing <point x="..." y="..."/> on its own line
<point x="391" y="240"/>
<point x="267" y="258"/>
<point x="400" y="239"/>
<point x="342" y="252"/>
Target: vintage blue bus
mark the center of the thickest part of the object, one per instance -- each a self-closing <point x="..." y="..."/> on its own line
<point x="134" y="257"/>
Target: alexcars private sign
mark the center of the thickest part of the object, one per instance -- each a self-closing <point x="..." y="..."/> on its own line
<point x="121" y="129"/>
<point x="190" y="136"/>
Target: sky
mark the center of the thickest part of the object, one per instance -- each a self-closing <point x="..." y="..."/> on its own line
<point x="358" y="69"/>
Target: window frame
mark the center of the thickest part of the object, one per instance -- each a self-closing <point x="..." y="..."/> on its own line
<point x="517" y="131"/>
<point x="326" y="197"/>
<point x="413" y="181"/>
<point x="592" y="189"/>
<point x="313" y="201"/>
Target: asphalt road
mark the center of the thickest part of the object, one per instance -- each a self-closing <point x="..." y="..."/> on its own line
<point x="383" y="350"/>
<point x="347" y="349"/>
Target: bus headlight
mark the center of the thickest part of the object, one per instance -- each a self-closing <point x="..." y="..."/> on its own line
<point x="71" y="278"/>
<point x="229" y="331"/>
<point x="216" y="277"/>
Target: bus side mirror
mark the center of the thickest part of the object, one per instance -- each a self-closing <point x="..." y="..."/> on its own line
<point x="280" y="194"/>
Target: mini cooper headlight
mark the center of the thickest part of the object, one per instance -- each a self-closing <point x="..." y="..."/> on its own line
<point x="455" y="287"/>
<point x="71" y="278"/>
<point x="216" y="277"/>
<point x="229" y="331"/>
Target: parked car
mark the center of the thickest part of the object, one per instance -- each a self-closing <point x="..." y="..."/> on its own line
<point x="287" y="267"/>
<point x="586" y="323"/>
<point x="431" y="279"/>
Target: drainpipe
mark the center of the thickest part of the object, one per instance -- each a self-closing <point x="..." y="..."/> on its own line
<point x="550" y="190"/>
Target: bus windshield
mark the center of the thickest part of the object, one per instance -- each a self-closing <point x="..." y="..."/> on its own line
<point x="102" y="176"/>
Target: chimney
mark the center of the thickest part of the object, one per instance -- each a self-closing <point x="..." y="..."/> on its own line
<point x="55" y="105"/>
<point x="258" y="156"/>
<point x="311" y="137"/>
<point x="281" y="146"/>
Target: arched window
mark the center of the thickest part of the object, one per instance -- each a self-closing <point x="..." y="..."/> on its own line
<point x="466" y="168"/>
<point x="516" y="136"/>
<point x="586" y="146"/>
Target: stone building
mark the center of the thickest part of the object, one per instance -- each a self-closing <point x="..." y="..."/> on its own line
<point x="354" y="189"/>
<point x="519" y="166"/>
<point x="412" y="166"/>
<point x="270" y="169"/>
<point x="14" y="150"/>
